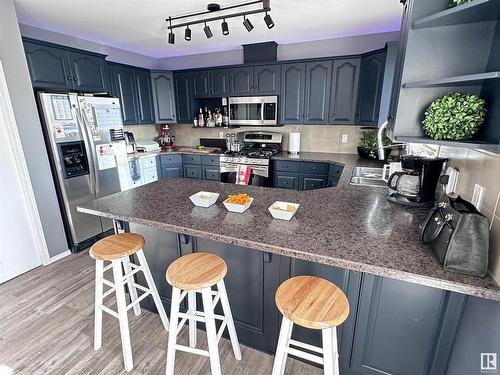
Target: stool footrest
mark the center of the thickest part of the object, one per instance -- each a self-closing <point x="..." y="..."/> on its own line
<point x="192" y="350"/>
<point x="107" y="282"/>
<point x="304" y="355"/>
<point x="138" y="300"/>
<point x="108" y="267"/>
<point x="131" y="273"/>
<point x="107" y="293"/>
<point x="109" y="311"/>
<point x="303" y="345"/>
<point x="221" y="329"/>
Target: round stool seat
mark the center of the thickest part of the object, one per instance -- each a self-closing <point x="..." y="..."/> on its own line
<point x="196" y="271"/>
<point x="117" y="246"/>
<point x="312" y="302"/>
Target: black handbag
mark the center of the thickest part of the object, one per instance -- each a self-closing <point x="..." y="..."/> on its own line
<point x="459" y="236"/>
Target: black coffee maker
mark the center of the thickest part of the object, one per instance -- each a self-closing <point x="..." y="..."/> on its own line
<point x="416" y="184"/>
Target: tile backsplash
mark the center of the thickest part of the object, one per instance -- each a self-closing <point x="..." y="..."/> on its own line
<point x="483" y="168"/>
<point x="145" y="132"/>
<point x="317" y="138"/>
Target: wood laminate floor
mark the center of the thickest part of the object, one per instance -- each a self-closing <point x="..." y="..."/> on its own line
<point x="46" y="327"/>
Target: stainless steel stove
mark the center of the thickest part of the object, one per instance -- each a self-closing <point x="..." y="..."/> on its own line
<point x="257" y="149"/>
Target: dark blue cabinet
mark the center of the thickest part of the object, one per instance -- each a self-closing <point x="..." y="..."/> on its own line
<point x="193" y="171"/>
<point x="286" y="180"/>
<point x="317" y="96"/>
<point x="211" y="173"/>
<point x="124" y="87"/>
<point x="144" y="97"/>
<point x="257" y="80"/>
<point x="201" y="84"/>
<point x="172" y="170"/>
<point x="219" y="82"/>
<point x="370" y="88"/>
<point x="292" y="93"/>
<point x="241" y="80"/>
<point x="305" y="175"/>
<point x="163" y="96"/>
<point x="184" y="99"/>
<point x="313" y="181"/>
<point x="53" y="67"/>
<point x="344" y="91"/>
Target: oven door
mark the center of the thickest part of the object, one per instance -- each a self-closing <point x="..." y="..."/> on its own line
<point x="253" y="111"/>
<point x="258" y="177"/>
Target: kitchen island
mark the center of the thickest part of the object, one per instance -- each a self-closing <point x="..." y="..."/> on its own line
<point x="402" y="302"/>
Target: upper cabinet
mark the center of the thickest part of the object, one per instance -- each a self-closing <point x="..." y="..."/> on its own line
<point x="293" y="77"/>
<point x="370" y="88"/>
<point x="211" y="83"/>
<point x="256" y="80"/>
<point x="163" y="97"/>
<point x="184" y="100"/>
<point x="133" y="87"/>
<point x="344" y="91"/>
<point x="54" y="67"/>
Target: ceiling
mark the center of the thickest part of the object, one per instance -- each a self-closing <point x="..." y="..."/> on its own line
<point x="139" y="25"/>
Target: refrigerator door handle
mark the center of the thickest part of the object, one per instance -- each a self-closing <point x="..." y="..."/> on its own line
<point x="94" y="156"/>
<point x="90" y="154"/>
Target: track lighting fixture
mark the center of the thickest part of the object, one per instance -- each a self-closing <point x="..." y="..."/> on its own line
<point x="248" y="25"/>
<point x="225" y="27"/>
<point x="207" y="31"/>
<point x="187" y="34"/>
<point x="269" y="21"/>
<point x="214" y="12"/>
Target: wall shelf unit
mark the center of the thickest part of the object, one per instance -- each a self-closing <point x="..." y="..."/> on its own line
<point x="464" y="80"/>
<point x="474" y="11"/>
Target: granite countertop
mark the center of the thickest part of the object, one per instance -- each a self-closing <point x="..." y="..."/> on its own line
<point x="347" y="226"/>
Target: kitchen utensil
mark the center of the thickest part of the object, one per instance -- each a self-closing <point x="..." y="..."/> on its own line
<point x="204" y="198"/>
<point x="239" y="208"/>
<point x="283" y="210"/>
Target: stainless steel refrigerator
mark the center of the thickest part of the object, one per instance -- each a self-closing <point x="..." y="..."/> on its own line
<point x="84" y="138"/>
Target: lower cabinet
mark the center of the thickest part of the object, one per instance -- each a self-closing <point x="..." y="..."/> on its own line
<point x="193" y="171"/>
<point x="312" y="181"/>
<point x="211" y="173"/>
<point x="172" y="170"/>
<point x="303" y="175"/>
<point x="286" y="180"/>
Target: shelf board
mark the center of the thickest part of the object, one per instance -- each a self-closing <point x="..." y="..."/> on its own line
<point x="474" y="11"/>
<point x="465" y="80"/>
<point x="489" y="146"/>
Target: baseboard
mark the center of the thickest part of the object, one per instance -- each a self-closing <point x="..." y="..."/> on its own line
<point x="59" y="256"/>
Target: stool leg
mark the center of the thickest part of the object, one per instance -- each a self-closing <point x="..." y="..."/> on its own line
<point x="230" y="323"/>
<point x="330" y="349"/>
<point x="131" y="288"/>
<point x="213" y="347"/>
<point x="192" y="322"/>
<point x="122" y="314"/>
<point x="99" y="274"/>
<point x="152" y="287"/>
<point x="281" y="354"/>
<point x="172" y="334"/>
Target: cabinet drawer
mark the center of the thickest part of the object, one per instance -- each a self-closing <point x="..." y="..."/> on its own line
<point x="170" y="159"/>
<point x="314" y="168"/>
<point x="287" y="181"/>
<point x="335" y="170"/>
<point x="192" y="171"/>
<point x="311" y="182"/>
<point x="150" y="175"/>
<point x="191" y="159"/>
<point x="210" y="160"/>
<point x="287" y="166"/>
<point x="211" y="173"/>
<point x="148" y="162"/>
<point x="171" y="170"/>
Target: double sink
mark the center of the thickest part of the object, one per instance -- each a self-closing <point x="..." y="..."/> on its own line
<point x="366" y="176"/>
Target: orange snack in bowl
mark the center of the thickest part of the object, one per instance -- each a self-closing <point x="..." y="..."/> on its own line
<point x="238" y="199"/>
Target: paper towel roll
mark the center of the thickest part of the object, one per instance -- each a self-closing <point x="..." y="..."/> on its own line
<point x="294" y="143"/>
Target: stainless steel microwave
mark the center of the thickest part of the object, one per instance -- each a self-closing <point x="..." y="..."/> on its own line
<point x="253" y="111"/>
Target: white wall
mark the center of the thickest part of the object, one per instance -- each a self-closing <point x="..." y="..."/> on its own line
<point x="114" y="54"/>
<point x="321" y="48"/>
<point x="29" y="128"/>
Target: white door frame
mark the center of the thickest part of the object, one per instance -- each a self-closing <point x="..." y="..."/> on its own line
<point x="8" y="121"/>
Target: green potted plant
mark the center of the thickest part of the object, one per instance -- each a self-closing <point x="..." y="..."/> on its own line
<point x="455" y="116"/>
<point x="455" y="3"/>
<point x="367" y="146"/>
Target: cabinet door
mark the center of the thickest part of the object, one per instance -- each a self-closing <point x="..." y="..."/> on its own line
<point x="241" y="80"/>
<point x="201" y="83"/>
<point x="211" y="173"/>
<point x="163" y="97"/>
<point x="312" y="182"/>
<point x="144" y="99"/>
<point x="48" y="66"/>
<point x="89" y="72"/>
<point x="124" y="88"/>
<point x="318" y="80"/>
<point x="370" y="89"/>
<point x="171" y="170"/>
<point x="292" y="93"/>
<point x="266" y="80"/>
<point x="193" y="171"/>
<point x="184" y="97"/>
<point x="251" y="284"/>
<point x="344" y="91"/>
<point x="404" y="328"/>
<point x="219" y="82"/>
<point x="284" y="180"/>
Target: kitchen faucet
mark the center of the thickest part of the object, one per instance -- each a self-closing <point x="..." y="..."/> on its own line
<point x="380" y="143"/>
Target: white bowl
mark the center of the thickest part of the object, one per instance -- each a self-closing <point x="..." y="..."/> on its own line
<point x="204" y="198"/>
<point x="279" y="210"/>
<point x="239" y="208"/>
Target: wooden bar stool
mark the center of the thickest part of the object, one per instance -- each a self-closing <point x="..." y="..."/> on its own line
<point x="188" y="275"/>
<point x="116" y="249"/>
<point x="314" y="303"/>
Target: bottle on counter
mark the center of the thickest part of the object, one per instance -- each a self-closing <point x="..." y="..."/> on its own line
<point x="201" y="119"/>
<point x="195" y="122"/>
<point x="210" y="122"/>
<point x="218" y="118"/>
<point x="225" y="118"/>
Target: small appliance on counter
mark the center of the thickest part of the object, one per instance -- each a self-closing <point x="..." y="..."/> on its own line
<point x="148" y="147"/>
<point x="416" y="184"/>
<point x="166" y="139"/>
<point x="130" y="142"/>
<point x="294" y="143"/>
